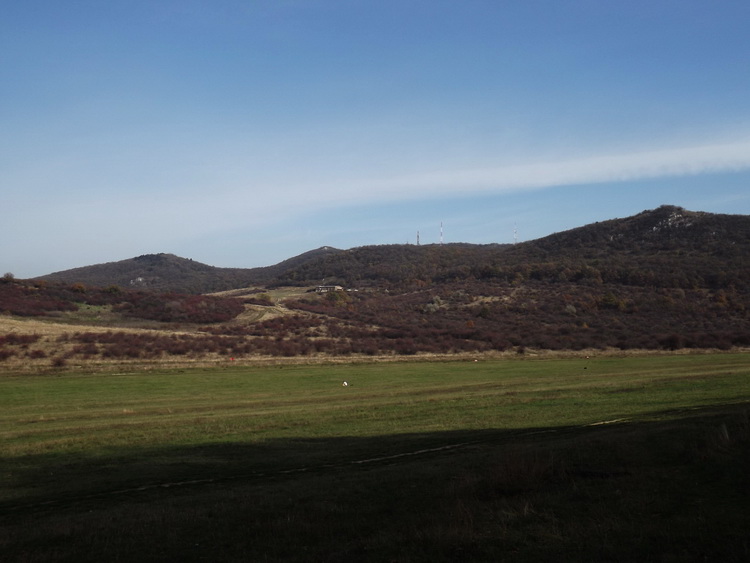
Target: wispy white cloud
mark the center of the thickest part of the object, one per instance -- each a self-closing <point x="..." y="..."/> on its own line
<point x="586" y="170"/>
<point x="235" y="199"/>
<point x="239" y="198"/>
<point x="319" y="193"/>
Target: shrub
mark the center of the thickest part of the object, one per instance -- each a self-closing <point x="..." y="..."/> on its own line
<point x="5" y="354"/>
<point x="59" y="362"/>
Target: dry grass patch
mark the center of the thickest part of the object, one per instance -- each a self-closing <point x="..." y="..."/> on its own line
<point x="44" y="344"/>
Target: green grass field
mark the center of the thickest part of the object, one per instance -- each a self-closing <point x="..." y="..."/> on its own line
<point x="620" y="459"/>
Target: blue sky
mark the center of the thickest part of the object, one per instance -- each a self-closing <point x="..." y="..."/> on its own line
<point x="241" y="133"/>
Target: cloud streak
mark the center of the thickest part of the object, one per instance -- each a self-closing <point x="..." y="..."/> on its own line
<point x="255" y="204"/>
<point x="626" y="167"/>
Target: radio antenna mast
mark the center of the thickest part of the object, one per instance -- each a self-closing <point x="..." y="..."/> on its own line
<point x="441" y="232"/>
<point x="515" y="233"/>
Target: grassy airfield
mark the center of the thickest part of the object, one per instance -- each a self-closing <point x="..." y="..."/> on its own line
<point x="613" y="458"/>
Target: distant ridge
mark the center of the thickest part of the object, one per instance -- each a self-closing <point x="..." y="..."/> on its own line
<point x="668" y="246"/>
<point x="167" y="272"/>
<point x="662" y="247"/>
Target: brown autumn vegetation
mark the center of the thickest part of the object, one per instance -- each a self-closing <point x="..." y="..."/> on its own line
<point x="666" y="279"/>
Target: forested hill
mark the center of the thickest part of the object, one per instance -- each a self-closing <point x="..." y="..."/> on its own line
<point x="662" y="279"/>
<point x="167" y="272"/>
<point x="668" y="229"/>
<point x="664" y="247"/>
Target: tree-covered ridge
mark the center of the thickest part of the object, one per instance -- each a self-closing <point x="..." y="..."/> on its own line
<point x="396" y="265"/>
<point x="666" y="247"/>
<point x="167" y="272"/>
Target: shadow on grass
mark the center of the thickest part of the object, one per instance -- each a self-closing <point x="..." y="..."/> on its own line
<point x="674" y="489"/>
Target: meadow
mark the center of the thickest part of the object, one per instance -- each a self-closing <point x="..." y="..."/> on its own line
<point x="639" y="458"/>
